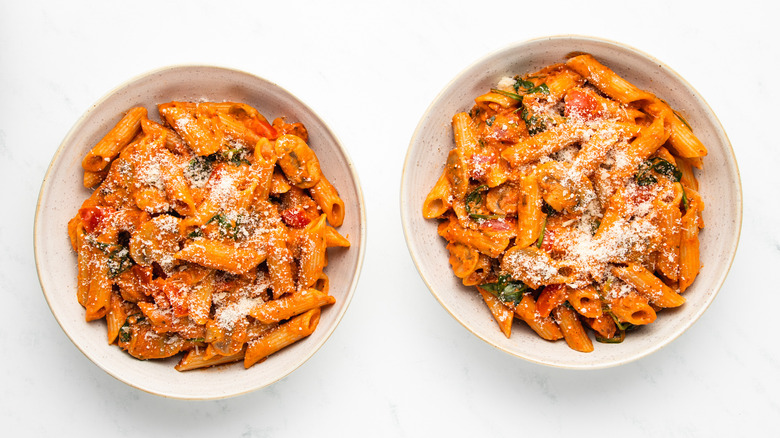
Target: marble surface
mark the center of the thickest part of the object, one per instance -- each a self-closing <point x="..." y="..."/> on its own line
<point x="398" y="365"/>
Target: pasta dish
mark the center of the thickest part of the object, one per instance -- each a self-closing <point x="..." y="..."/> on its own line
<point x="206" y="234"/>
<point x="570" y="201"/>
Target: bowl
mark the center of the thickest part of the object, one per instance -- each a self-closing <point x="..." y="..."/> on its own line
<point x="433" y="139"/>
<point x="62" y="193"/>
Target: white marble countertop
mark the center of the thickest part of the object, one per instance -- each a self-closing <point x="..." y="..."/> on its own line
<point x="398" y="365"/>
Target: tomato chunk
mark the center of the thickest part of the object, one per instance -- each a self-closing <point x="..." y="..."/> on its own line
<point x="94" y="218"/>
<point x="295" y="217"/>
<point x="496" y="225"/>
<point x="263" y="129"/>
<point x="480" y="163"/>
<point x="582" y="105"/>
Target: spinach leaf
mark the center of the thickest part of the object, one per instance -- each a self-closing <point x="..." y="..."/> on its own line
<point x="506" y="290"/>
<point x="529" y="88"/>
<point x="645" y="177"/>
<point x="666" y="169"/>
<point x="119" y="259"/>
<point x="235" y="156"/>
<point x="534" y="124"/>
<point x="507" y="94"/>
<point x="226" y="228"/>
<point x="475" y="197"/>
<point x="541" y="235"/>
<point x="126" y="331"/>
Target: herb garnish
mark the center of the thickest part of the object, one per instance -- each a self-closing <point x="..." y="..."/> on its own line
<point x="541" y="235"/>
<point x="529" y="87"/>
<point x="126" y="332"/>
<point x="622" y="329"/>
<point x="119" y="259"/>
<point x="534" y="124"/>
<point x="225" y="227"/>
<point x="235" y="156"/>
<point x="200" y="167"/>
<point x="475" y="197"/>
<point x="684" y="122"/>
<point x="620" y="337"/>
<point x="507" y="94"/>
<point x="506" y="290"/>
<point x="645" y="177"/>
<point x="594" y="227"/>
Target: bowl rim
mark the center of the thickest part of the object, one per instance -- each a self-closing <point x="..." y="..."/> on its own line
<point x="412" y="246"/>
<point x="78" y="125"/>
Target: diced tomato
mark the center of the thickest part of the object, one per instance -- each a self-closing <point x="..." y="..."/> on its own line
<point x="177" y="297"/>
<point x="581" y="105"/>
<point x="495" y="225"/>
<point x="480" y="163"/>
<point x="295" y="217"/>
<point x="263" y="129"/>
<point x="505" y="128"/>
<point x="641" y="194"/>
<point x="549" y="240"/>
<point x="94" y="218"/>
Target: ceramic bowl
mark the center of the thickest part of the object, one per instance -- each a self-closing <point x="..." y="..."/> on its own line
<point x="433" y="139"/>
<point x="62" y="193"/>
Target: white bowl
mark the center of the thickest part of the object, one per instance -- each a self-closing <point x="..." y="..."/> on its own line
<point x="433" y="139"/>
<point x="62" y="193"/>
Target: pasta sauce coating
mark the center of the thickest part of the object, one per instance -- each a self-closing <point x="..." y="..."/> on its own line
<point x="198" y="225"/>
<point x="571" y="187"/>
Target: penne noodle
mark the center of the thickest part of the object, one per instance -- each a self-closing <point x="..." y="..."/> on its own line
<point x="569" y="197"/>
<point x="217" y="255"/>
<point x="632" y="308"/>
<point x="290" y="305"/>
<point x="530" y="218"/>
<point x="286" y="334"/>
<point x="606" y="80"/>
<point x="544" y="327"/>
<point x="503" y="314"/>
<point x="326" y="196"/>
<point x="280" y="263"/>
<point x="120" y="136"/>
<point x="195" y="359"/>
<point x="541" y="145"/>
<point x="585" y="301"/>
<point x="649" y="285"/>
<point x="438" y="200"/>
<point x="572" y="329"/>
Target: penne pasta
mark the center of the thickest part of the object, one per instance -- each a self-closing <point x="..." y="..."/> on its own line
<point x="206" y="235"/>
<point x="290" y="305"/>
<point x="569" y="197"/>
<point x="606" y="80"/>
<point x="649" y="285"/>
<point x="503" y="314"/>
<point x="572" y="329"/>
<point x="99" y="157"/>
<point x="438" y="200"/>
<point x="286" y="334"/>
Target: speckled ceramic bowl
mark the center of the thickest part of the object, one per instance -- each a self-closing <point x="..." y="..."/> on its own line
<point x="433" y="139"/>
<point x="62" y="193"/>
